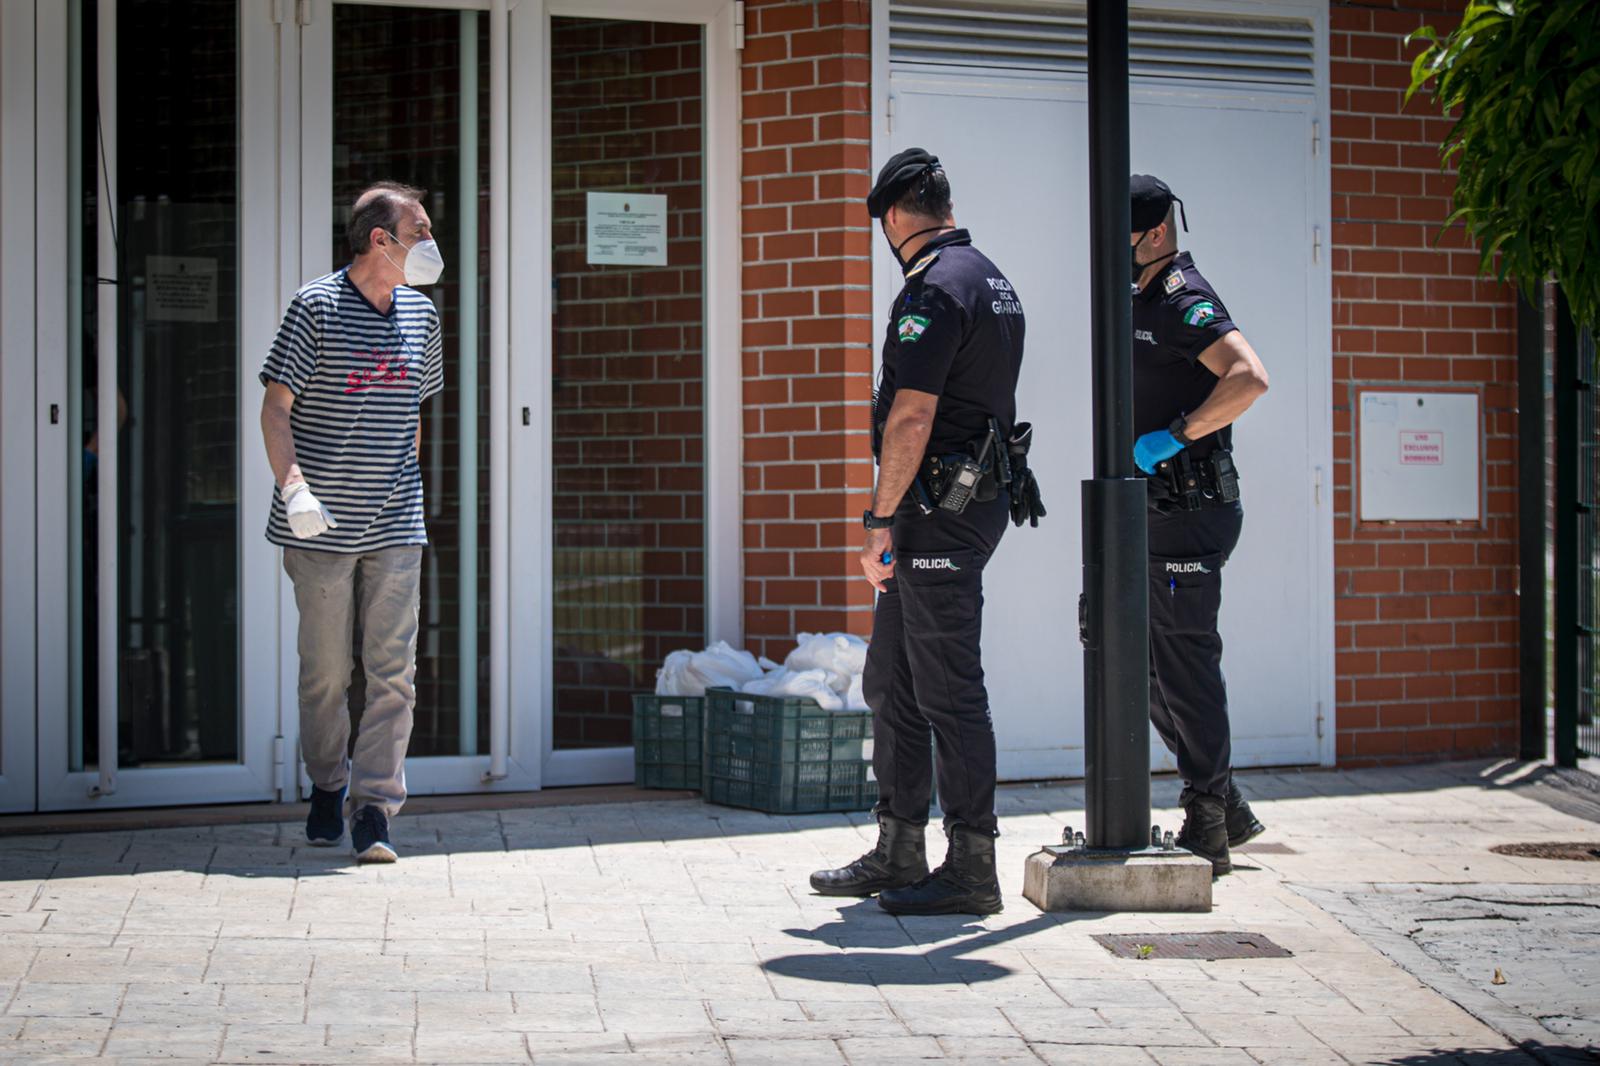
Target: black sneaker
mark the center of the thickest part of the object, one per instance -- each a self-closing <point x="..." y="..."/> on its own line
<point x="369" y="835"/>
<point x="325" y="823"/>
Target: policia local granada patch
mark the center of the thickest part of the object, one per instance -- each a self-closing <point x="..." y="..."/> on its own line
<point x="910" y="327"/>
<point x="1200" y="314"/>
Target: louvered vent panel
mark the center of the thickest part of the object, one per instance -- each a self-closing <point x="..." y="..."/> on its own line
<point x="1056" y="39"/>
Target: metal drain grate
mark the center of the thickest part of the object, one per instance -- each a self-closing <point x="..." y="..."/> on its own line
<point x="1571" y="852"/>
<point x="1206" y="946"/>
<point x="1271" y="848"/>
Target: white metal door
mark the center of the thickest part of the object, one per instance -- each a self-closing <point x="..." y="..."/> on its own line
<point x="1242" y="159"/>
<point x="152" y="627"/>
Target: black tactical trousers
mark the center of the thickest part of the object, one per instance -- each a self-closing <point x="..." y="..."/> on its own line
<point x="1188" y="697"/>
<point x="924" y="676"/>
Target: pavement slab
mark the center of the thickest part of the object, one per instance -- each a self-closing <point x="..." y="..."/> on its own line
<point x="679" y="932"/>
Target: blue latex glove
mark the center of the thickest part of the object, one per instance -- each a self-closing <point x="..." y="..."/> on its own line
<point x="1155" y="448"/>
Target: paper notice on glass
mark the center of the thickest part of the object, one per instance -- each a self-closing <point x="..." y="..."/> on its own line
<point x="627" y="228"/>
<point x="180" y="288"/>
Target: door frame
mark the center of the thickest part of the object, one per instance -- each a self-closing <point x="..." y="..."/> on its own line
<point x="307" y="167"/>
<point x="252" y="776"/>
<point x="723" y="367"/>
<point x="521" y="662"/>
<point x="19" y="409"/>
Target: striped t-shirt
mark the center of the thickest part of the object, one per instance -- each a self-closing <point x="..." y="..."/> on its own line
<point x="359" y="379"/>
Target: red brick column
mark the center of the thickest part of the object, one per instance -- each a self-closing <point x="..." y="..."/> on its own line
<point x="808" y="327"/>
<point x="1426" y="614"/>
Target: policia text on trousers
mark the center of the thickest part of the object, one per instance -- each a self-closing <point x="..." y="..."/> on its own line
<point x="1193" y="375"/>
<point x="952" y="466"/>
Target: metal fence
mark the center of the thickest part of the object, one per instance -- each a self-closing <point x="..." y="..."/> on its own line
<point x="1577" y="540"/>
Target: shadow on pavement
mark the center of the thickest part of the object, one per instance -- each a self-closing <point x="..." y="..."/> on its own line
<point x="1527" y="1054"/>
<point x="452" y="825"/>
<point x="864" y="925"/>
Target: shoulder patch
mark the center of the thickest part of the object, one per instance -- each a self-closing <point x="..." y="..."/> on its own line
<point x="910" y="327"/>
<point x="1200" y="314"/>
<point x="922" y="264"/>
<point x="1174" y="280"/>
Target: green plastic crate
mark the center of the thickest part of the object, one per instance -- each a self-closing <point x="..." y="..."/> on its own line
<point x="668" y="735"/>
<point x="786" y="755"/>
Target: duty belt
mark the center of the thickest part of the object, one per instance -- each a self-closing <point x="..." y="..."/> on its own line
<point x="1184" y="483"/>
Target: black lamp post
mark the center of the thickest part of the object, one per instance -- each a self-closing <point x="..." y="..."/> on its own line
<point x="1114" y="613"/>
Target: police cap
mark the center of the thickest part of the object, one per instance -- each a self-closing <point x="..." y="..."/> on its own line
<point x="898" y="175"/>
<point x="1150" y="199"/>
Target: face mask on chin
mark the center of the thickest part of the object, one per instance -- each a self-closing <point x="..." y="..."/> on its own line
<point x="424" y="264"/>
<point x="895" y="248"/>
<point x="1133" y="256"/>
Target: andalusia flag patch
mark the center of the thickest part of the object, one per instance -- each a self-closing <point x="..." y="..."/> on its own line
<point x="1200" y="314"/>
<point x="911" y="327"/>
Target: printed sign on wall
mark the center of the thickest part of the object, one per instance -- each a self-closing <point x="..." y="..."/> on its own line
<point x="1420" y="456"/>
<point x="627" y="228"/>
<point x="180" y="288"/>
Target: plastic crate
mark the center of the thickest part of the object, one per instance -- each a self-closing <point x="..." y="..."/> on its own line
<point x="668" y="734"/>
<point x="786" y="755"/>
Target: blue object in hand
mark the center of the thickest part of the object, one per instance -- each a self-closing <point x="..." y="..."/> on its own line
<point x="888" y="557"/>
<point x="1155" y="448"/>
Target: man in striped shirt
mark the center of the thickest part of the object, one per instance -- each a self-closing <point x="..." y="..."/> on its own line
<point x="358" y="354"/>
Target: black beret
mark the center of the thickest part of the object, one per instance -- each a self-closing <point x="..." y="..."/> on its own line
<point x="896" y="177"/>
<point x="1150" y="200"/>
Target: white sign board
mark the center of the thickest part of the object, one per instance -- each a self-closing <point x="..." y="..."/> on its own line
<point x="627" y="228"/>
<point x="1420" y="457"/>
<point x="180" y="288"/>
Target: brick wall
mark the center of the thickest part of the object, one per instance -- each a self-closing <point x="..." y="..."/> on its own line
<point x="1426" y="614"/>
<point x="808" y="325"/>
<point x="628" y="366"/>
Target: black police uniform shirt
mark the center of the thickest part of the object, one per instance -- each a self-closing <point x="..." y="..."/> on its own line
<point x="1175" y="318"/>
<point x="956" y="332"/>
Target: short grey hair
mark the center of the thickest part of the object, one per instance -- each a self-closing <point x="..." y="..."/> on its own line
<point x="378" y="207"/>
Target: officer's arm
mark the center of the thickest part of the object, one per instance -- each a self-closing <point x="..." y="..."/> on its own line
<point x="905" y="440"/>
<point x="1241" y="380"/>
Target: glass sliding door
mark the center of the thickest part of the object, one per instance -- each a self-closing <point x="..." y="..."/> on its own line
<point x="404" y="96"/>
<point x="627" y="369"/>
<point x="410" y="98"/>
<point x="152" y="704"/>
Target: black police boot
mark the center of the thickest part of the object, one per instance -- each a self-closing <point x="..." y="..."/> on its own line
<point x="1243" y="825"/>
<point x="1205" y="830"/>
<point x="965" y="883"/>
<point x="899" y="859"/>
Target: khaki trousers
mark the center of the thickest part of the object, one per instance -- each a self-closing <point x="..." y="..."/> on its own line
<point x="332" y="590"/>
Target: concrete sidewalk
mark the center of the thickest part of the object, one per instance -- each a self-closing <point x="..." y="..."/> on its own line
<point x="676" y="932"/>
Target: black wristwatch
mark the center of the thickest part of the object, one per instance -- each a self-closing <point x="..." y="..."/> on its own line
<point x="872" y="521"/>
<point x="1177" y="428"/>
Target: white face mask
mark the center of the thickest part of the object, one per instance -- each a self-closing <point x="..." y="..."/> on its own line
<point x="424" y="264"/>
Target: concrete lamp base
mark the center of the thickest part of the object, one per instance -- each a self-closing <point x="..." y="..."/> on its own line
<point x="1085" y="879"/>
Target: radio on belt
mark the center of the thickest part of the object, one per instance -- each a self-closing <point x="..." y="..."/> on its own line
<point x="964" y="480"/>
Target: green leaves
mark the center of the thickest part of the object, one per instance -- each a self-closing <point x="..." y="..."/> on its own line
<point x="1522" y="79"/>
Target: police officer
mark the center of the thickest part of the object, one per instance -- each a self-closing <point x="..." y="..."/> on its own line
<point x="1194" y="374"/>
<point x="949" y="377"/>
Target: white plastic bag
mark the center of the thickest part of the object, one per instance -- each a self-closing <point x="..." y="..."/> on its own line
<point x="673" y="678"/>
<point x="840" y="655"/>
<point x="686" y="673"/>
<point x="855" y="699"/>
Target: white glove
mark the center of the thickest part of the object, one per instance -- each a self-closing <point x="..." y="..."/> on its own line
<point x="307" y="517"/>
